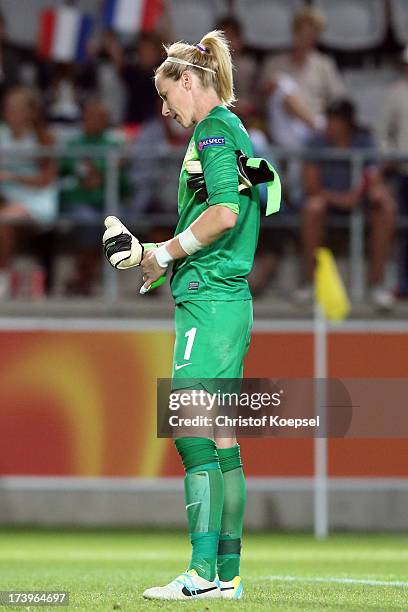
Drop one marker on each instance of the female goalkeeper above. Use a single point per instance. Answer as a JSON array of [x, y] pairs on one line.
[[213, 251]]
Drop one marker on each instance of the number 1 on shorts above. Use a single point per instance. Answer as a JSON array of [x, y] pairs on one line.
[[190, 334]]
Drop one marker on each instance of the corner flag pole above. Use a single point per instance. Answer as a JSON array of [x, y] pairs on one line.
[[331, 303], [321, 494]]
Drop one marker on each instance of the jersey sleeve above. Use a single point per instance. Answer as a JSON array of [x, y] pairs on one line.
[[216, 147]]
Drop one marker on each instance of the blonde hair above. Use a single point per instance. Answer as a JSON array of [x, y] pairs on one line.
[[309, 15], [213, 54], [31, 101]]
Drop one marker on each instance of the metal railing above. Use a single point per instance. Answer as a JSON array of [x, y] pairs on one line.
[[158, 157]]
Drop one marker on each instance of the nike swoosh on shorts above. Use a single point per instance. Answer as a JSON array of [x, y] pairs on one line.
[[183, 365]]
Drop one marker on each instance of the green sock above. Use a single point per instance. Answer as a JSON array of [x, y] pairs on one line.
[[204, 495], [229, 549]]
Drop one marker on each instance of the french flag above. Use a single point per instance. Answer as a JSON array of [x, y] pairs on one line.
[[131, 16], [63, 34]]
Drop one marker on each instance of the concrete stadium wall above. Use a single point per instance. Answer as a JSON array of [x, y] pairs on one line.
[[273, 504]]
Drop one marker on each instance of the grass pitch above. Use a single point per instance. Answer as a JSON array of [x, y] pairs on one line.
[[108, 570]]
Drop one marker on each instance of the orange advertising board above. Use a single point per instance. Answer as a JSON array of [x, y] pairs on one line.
[[83, 403]]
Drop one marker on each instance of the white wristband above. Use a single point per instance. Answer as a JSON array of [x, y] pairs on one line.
[[189, 242], [163, 257]]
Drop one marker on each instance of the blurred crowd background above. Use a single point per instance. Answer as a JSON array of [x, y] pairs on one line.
[[322, 86]]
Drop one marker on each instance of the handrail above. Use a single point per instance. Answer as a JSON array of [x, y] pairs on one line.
[[132, 151], [115, 153]]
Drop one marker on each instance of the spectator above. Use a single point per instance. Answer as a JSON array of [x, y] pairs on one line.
[[27, 189], [393, 132], [245, 67], [141, 96], [63, 93], [10, 61], [328, 185], [102, 74], [290, 122], [304, 80], [82, 197]]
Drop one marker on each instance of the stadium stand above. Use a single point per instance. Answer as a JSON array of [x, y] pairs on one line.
[[261, 31], [399, 20], [190, 19], [367, 34], [353, 25], [24, 31], [368, 88]]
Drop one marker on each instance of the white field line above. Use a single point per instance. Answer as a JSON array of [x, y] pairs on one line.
[[75, 556], [332, 579], [250, 556]]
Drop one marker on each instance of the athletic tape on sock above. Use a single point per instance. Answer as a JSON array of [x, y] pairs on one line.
[[196, 451], [229, 547], [230, 458]]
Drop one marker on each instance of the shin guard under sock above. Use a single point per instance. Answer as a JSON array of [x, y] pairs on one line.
[[204, 496]]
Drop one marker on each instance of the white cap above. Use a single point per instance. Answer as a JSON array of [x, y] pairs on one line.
[[404, 56]]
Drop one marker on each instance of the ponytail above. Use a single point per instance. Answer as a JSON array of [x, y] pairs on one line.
[[210, 59]]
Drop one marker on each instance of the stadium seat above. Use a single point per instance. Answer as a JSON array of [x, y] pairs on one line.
[[353, 25], [190, 20], [25, 31], [267, 23], [368, 89], [399, 20]]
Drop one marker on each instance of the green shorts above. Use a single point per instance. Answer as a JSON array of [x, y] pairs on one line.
[[212, 339]]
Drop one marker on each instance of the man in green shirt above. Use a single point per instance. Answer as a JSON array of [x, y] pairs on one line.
[[86, 183], [83, 194]]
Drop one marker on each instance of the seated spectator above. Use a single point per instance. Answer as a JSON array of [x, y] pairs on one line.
[[300, 84], [63, 93], [141, 96], [393, 133], [27, 189], [83, 196], [271, 240], [101, 73], [245, 67], [290, 122], [328, 186]]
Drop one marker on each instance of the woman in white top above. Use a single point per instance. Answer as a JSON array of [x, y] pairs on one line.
[[27, 183]]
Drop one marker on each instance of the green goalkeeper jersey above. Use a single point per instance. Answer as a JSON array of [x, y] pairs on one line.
[[219, 270]]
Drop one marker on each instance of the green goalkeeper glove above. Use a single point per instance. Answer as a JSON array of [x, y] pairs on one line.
[[255, 171], [251, 171]]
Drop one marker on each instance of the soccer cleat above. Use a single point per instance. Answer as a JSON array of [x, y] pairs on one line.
[[231, 589], [187, 586]]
